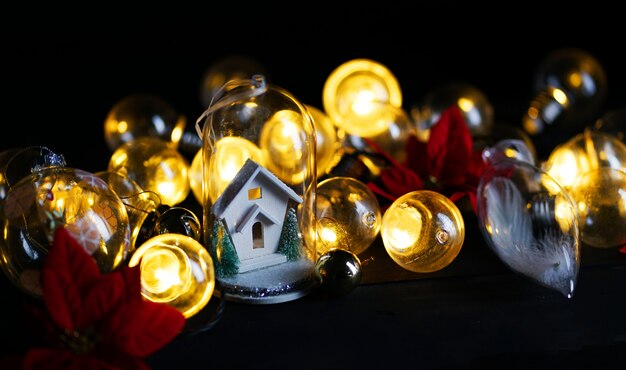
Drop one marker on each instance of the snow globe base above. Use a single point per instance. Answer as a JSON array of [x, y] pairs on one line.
[[275, 284]]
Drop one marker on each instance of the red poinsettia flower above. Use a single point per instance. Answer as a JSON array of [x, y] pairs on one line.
[[97, 321], [446, 163]]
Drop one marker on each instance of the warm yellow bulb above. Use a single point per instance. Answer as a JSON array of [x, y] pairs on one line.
[[283, 142], [195, 176], [328, 235], [176, 270], [423, 231], [356, 94], [559, 96], [229, 156], [566, 166], [465, 104]]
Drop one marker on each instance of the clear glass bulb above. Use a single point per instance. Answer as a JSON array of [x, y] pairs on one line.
[[423, 231], [613, 122], [142, 115], [328, 144], [584, 152], [176, 270], [356, 94], [473, 104], [570, 87], [156, 166], [349, 215]]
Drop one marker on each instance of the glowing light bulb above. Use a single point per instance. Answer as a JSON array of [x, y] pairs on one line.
[[328, 144], [231, 153], [349, 215], [474, 105], [570, 87], [423, 231], [177, 270], [584, 152], [155, 166], [142, 115], [355, 96]]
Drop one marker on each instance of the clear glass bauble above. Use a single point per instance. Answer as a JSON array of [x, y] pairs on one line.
[[61, 197], [259, 171]]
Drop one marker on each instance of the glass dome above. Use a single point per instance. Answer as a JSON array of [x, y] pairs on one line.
[[259, 176]]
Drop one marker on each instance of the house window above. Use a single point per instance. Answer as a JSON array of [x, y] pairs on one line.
[[254, 193], [257, 235]]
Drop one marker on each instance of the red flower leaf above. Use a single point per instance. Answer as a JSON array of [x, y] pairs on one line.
[[447, 153], [66, 275], [143, 327]]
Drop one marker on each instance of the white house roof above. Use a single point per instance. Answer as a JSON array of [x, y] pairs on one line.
[[247, 173], [252, 215]]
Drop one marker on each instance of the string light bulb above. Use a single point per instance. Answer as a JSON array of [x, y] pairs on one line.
[[423, 231], [570, 87], [357, 94], [155, 165], [176, 270]]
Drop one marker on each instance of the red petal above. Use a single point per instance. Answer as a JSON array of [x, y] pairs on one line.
[[67, 271], [102, 297], [623, 249], [417, 158], [142, 327], [448, 150], [399, 181]]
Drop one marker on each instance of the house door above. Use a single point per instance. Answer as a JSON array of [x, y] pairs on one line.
[[257, 235]]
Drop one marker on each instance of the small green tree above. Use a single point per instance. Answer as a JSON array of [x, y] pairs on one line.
[[290, 243], [223, 252]]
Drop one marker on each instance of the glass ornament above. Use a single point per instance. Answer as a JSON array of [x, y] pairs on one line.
[[423, 231], [156, 166], [601, 203], [587, 151], [61, 197], [328, 144], [195, 176], [175, 270], [392, 140], [142, 115], [259, 210], [356, 95], [530, 223], [339, 272], [348, 215], [232, 67], [473, 104], [139, 203], [570, 87]]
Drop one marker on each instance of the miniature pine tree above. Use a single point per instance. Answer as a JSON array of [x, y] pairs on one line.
[[290, 242], [223, 252]]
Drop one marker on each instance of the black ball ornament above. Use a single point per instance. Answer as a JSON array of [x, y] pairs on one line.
[[339, 271]]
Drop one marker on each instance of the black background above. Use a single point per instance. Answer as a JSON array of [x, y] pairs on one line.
[[62, 71]]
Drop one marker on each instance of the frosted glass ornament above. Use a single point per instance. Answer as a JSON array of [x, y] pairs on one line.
[[530, 223], [599, 198], [392, 140], [587, 151], [142, 115], [328, 144], [61, 197], [356, 95], [155, 166], [353, 212], [259, 213], [473, 104], [175, 270], [423, 231]]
